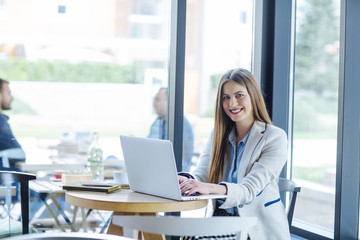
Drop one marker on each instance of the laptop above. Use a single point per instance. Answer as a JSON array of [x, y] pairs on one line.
[[151, 168]]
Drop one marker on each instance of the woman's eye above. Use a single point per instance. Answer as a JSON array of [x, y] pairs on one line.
[[225, 97], [239, 95]]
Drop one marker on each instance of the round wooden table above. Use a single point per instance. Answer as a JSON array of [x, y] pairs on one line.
[[127, 202]]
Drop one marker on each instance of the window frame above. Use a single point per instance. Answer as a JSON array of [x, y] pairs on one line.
[[348, 155]]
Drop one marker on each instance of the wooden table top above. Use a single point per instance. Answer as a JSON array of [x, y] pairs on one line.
[[128, 201]]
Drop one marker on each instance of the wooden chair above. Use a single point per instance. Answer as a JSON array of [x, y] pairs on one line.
[[177, 226], [9, 177], [287, 185]]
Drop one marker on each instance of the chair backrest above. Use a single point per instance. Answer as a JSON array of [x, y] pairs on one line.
[[287, 185], [9, 177], [67, 235], [178, 226], [12, 153]]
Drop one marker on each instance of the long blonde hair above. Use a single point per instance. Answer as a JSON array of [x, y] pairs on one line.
[[223, 124]]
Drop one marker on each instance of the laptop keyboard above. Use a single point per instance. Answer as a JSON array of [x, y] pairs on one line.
[[194, 194]]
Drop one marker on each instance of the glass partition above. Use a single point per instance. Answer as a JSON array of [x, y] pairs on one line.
[[315, 112], [219, 37]]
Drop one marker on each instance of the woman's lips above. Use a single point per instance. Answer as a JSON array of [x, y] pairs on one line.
[[236, 111]]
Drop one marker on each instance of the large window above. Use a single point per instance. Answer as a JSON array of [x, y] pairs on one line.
[[219, 37], [315, 111], [81, 66]]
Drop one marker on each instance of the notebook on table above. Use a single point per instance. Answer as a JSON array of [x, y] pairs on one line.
[[95, 187], [151, 168]]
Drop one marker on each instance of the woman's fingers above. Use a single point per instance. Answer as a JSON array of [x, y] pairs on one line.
[[182, 179], [187, 185], [191, 186]]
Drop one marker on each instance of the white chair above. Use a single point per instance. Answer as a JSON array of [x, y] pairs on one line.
[[287, 185], [177, 226], [67, 235], [12, 153]]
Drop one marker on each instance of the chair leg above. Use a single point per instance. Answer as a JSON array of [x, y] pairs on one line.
[[24, 188], [291, 209]]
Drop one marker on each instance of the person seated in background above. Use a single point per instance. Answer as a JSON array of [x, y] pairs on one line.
[[7, 139], [159, 128]]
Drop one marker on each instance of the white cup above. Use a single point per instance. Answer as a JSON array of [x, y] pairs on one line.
[[120, 177]]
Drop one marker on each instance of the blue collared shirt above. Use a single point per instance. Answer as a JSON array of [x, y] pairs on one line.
[[231, 170], [159, 130], [236, 151]]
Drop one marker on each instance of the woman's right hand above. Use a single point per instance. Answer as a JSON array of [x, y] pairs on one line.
[[191, 186]]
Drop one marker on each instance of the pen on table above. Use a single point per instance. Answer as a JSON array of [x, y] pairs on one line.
[[97, 185]]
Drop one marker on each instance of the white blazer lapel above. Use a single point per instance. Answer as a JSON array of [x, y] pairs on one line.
[[256, 133]]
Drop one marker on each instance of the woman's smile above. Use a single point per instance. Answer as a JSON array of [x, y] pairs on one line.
[[236, 111]]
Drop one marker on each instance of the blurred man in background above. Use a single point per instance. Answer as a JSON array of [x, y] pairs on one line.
[[7, 139], [159, 128]]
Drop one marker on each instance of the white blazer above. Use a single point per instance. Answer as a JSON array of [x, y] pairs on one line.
[[257, 193]]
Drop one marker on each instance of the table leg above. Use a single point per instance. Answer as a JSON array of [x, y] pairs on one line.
[[61, 211], [150, 236], [83, 216], [118, 230], [107, 223], [114, 229], [74, 214], [58, 223]]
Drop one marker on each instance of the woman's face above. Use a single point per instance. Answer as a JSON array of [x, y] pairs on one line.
[[236, 103], [160, 103]]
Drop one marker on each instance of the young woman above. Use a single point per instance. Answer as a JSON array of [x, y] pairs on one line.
[[243, 158]]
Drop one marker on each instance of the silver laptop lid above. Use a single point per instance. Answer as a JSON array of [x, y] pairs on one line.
[[150, 165]]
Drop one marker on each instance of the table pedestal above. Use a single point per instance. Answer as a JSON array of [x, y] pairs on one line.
[[127, 202], [118, 230]]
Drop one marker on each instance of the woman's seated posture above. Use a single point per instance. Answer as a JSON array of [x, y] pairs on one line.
[[243, 158]]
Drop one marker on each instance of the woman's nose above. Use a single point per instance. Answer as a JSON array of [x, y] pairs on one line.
[[233, 102]]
